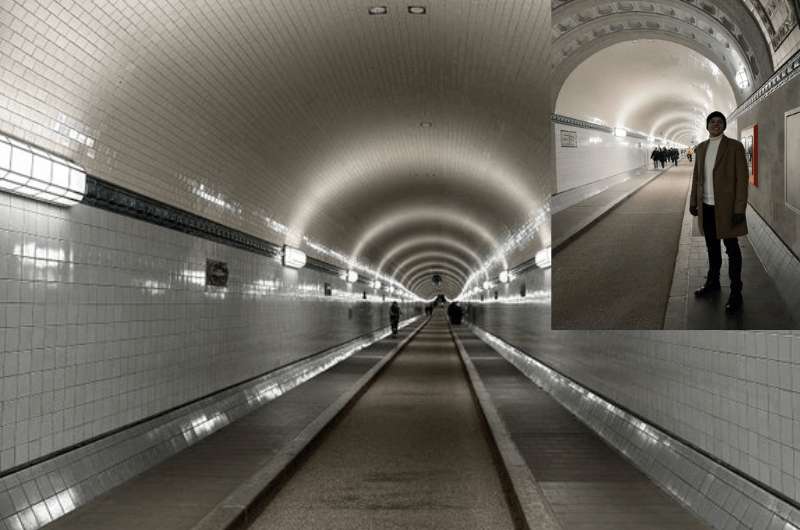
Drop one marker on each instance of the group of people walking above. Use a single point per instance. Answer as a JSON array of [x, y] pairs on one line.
[[662, 155]]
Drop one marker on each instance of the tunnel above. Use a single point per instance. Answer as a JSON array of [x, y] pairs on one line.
[[381, 264]]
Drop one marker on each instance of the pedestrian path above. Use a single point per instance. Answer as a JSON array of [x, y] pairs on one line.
[[411, 453], [763, 307], [617, 273], [588, 484], [568, 222], [179, 492], [637, 261]]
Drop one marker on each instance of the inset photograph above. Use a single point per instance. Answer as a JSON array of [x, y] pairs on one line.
[[677, 206]]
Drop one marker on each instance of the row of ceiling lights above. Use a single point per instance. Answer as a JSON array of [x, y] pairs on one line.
[[383, 10]]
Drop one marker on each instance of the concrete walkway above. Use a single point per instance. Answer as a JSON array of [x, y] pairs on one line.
[[588, 485], [411, 453], [179, 492], [612, 271], [617, 273]]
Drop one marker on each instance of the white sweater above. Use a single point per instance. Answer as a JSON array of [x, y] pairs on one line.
[[711, 157]]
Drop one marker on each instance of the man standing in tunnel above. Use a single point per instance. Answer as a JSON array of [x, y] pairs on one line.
[[719, 185], [394, 317]]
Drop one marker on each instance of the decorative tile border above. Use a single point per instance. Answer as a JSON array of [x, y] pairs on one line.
[[784, 74], [107, 196], [575, 122], [41, 493], [715, 492]]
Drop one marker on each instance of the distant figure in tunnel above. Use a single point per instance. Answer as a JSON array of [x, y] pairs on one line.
[[655, 157], [454, 313], [689, 154], [394, 317], [719, 184]]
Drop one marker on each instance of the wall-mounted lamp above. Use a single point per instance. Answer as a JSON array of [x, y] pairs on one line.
[[504, 276], [293, 257], [352, 276], [376, 284], [28, 171], [621, 132], [487, 284]]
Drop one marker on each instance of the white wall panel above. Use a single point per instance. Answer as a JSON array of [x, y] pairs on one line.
[[598, 155]]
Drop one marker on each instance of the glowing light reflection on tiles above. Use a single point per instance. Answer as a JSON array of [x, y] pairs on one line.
[[196, 277], [152, 287], [343, 259], [522, 237]]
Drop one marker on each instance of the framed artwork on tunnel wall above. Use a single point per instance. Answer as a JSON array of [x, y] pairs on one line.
[[569, 138], [749, 138], [792, 159]]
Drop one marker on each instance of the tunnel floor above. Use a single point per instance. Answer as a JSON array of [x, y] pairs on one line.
[[180, 491], [411, 453], [624, 271], [589, 485]]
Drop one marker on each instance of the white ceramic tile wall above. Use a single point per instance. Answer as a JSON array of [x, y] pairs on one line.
[[734, 394], [598, 155], [105, 320], [715, 493], [35, 495]]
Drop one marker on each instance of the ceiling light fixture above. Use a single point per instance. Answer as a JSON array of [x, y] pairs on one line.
[[378, 10], [28, 171], [417, 10], [426, 124]]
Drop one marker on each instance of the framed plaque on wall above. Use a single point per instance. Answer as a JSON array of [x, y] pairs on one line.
[[792, 159], [569, 138], [749, 137]]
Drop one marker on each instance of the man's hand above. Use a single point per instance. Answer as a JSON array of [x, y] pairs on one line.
[[693, 210], [738, 218]]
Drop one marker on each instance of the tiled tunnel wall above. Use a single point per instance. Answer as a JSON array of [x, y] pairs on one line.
[[597, 156], [733, 394], [769, 196], [105, 320]]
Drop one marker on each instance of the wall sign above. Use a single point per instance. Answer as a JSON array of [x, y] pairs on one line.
[[792, 158], [749, 138], [216, 273], [569, 138]]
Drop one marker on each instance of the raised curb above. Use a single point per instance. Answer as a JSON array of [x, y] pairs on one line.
[[530, 501], [239, 505]]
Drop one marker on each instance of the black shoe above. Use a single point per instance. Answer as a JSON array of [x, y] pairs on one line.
[[708, 289], [735, 302]]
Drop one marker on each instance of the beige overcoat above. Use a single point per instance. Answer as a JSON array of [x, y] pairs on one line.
[[730, 186]]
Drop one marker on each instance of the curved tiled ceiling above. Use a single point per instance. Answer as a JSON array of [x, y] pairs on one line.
[[659, 88], [725, 32], [298, 120]]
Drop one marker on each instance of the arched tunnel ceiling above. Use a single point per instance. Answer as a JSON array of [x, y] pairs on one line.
[[294, 119], [659, 88], [726, 32]]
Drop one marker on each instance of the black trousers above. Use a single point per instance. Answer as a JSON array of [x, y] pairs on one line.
[[715, 255]]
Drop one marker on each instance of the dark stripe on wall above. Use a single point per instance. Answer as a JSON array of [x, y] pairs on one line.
[[116, 199]]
